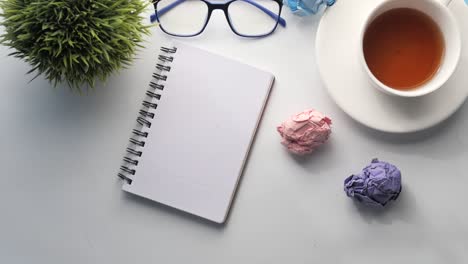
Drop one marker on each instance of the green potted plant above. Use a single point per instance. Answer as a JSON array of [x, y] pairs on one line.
[[73, 41]]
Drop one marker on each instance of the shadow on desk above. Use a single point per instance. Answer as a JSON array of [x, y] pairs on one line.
[[152, 205], [448, 137], [404, 209], [414, 136]]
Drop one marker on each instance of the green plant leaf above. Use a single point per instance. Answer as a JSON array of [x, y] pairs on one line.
[[77, 42]]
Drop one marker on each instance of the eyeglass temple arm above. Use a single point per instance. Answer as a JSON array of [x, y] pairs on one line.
[[164, 10], [281, 20]]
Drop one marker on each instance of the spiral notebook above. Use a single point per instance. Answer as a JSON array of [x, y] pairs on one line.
[[194, 131]]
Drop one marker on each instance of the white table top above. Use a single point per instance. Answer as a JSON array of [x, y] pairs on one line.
[[61, 201]]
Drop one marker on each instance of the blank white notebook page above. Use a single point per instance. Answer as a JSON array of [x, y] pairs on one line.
[[201, 133]]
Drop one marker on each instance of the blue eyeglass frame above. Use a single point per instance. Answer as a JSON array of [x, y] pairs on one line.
[[223, 6]]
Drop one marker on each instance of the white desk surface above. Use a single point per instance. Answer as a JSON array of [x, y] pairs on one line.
[[61, 201]]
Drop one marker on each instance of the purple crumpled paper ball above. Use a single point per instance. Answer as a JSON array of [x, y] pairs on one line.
[[377, 184]]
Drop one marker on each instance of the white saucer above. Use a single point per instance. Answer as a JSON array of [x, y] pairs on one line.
[[343, 75]]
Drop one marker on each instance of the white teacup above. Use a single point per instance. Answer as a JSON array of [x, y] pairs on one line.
[[441, 15]]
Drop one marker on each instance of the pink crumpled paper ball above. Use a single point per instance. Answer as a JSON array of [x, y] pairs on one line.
[[306, 131]]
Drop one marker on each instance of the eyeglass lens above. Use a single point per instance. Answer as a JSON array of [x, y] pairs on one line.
[[246, 17]]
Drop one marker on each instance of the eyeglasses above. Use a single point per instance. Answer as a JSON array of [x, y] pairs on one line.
[[246, 18]]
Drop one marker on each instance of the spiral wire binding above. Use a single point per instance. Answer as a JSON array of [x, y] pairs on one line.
[[164, 58], [156, 86], [146, 115]]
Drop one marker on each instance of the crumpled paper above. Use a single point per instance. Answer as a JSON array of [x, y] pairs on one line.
[[307, 7], [377, 184], [306, 131]]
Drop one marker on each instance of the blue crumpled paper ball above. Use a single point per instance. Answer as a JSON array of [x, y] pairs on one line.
[[307, 7], [377, 184]]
